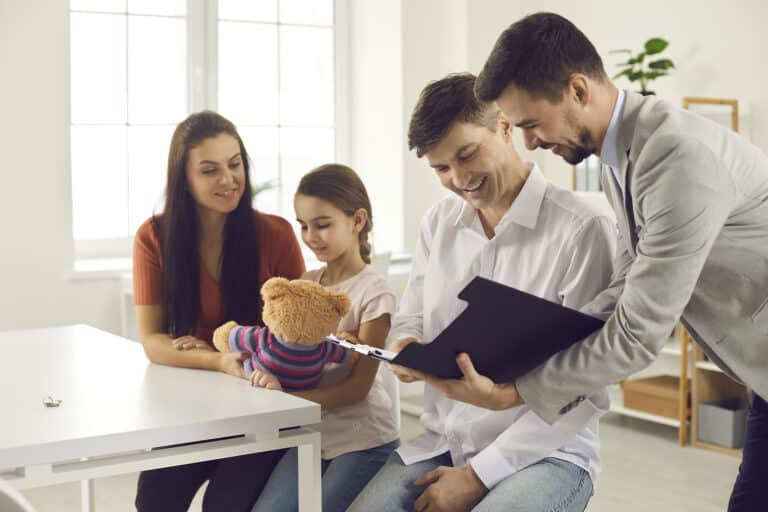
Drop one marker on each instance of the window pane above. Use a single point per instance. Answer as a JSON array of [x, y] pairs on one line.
[[307, 12], [306, 76], [147, 168], [98, 5], [250, 10], [164, 7], [99, 178], [98, 68], [302, 149], [157, 70], [262, 147], [248, 72]]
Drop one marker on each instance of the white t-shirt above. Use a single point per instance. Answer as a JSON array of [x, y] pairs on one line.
[[376, 419]]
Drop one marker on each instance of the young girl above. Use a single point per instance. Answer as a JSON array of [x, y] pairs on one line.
[[194, 266], [360, 420]]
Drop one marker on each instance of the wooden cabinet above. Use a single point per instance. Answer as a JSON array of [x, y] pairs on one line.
[[709, 383], [660, 393]]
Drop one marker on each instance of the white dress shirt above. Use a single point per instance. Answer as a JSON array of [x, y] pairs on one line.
[[549, 243]]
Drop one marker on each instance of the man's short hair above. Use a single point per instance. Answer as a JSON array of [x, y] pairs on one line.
[[444, 102], [538, 54]]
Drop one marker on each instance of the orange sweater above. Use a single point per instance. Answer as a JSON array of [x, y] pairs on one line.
[[280, 256]]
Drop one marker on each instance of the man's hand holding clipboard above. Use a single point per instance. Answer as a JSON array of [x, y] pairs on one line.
[[473, 388], [502, 334]]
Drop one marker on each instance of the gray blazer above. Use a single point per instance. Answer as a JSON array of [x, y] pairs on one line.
[[692, 211]]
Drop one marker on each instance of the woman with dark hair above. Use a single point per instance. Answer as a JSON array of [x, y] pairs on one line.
[[197, 264]]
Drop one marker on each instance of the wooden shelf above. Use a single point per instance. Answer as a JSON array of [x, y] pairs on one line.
[[677, 346], [708, 365], [709, 384], [733, 452], [617, 406]]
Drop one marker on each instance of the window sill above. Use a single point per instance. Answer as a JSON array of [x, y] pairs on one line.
[[120, 268], [101, 268]]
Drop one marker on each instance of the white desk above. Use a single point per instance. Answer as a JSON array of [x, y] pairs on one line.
[[116, 406]]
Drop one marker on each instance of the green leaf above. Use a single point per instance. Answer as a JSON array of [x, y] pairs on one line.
[[661, 64], [655, 45], [638, 58], [257, 188], [637, 75], [621, 73], [652, 75]]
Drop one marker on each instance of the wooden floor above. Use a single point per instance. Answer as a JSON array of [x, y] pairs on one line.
[[643, 469]]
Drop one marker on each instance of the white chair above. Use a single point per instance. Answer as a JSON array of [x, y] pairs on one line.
[[11, 500]]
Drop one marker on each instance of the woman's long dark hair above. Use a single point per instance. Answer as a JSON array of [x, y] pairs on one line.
[[178, 232]]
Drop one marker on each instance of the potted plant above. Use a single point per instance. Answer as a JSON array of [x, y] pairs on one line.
[[257, 188], [637, 70]]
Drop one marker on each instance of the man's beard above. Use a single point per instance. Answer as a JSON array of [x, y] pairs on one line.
[[585, 148]]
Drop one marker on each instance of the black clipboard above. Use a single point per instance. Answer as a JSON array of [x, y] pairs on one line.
[[505, 331]]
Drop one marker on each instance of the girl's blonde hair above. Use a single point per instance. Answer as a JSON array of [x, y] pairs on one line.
[[343, 188]]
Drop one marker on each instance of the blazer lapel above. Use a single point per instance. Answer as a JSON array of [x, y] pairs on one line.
[[626, 130], [617, 201]]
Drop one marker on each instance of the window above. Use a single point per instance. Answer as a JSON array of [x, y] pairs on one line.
[[138, 67]]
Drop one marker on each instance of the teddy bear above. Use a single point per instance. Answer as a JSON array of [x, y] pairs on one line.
[[290, 349]]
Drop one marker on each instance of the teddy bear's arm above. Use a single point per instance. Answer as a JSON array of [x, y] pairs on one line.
[[262, 379]]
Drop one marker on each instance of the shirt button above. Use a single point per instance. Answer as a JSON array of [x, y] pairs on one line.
[[356, 426]]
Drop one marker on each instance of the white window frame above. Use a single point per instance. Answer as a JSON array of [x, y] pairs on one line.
[[202, 93]]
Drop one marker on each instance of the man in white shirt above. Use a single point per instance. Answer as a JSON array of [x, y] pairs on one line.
[[505, 222]]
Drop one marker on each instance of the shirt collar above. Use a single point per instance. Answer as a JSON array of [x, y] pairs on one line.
[[525, 208], [608, 153]]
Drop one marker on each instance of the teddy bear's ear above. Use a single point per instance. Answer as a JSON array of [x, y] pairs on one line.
[[274, 288], [340, 302]]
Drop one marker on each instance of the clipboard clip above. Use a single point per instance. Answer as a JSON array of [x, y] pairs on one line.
[[366, 350]]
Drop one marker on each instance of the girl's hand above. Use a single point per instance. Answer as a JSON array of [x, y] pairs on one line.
[[354, 356], [190, 342], [232, 363], [349, 337], [266, 380]]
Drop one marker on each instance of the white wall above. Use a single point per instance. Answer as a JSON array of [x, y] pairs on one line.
[[434, 44], [395, 47], [717, 47], [36, 247], [713, 43], [374, 95]]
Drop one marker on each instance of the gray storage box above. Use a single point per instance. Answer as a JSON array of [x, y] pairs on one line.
[[723, 422]]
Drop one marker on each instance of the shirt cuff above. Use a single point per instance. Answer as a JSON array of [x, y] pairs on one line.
[[491, 467]]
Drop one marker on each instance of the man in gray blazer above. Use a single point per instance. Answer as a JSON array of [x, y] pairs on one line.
[[691, 199]]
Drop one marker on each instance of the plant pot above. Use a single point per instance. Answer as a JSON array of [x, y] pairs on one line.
[[647, 93]]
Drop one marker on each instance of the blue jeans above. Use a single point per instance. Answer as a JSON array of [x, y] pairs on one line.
[[749, 489], [550, 484], [343, 478]]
